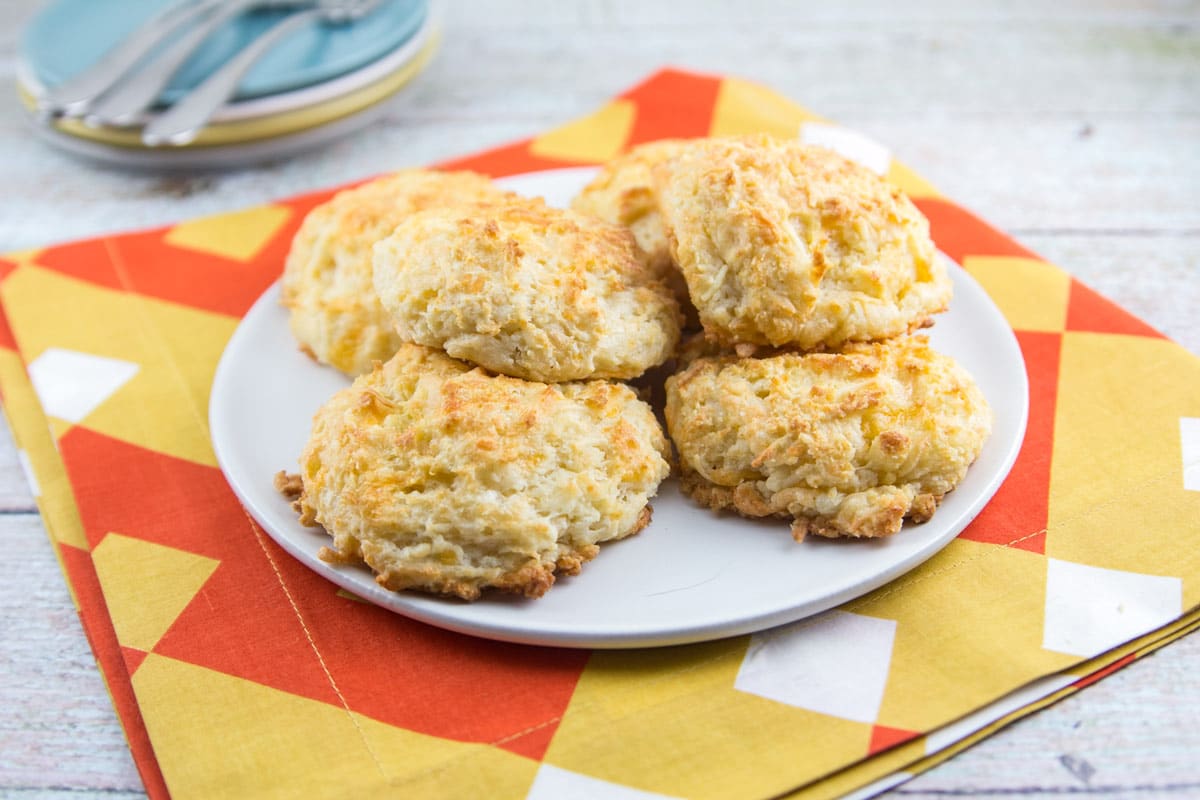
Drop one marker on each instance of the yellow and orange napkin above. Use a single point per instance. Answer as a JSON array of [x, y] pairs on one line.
[[237, 672]]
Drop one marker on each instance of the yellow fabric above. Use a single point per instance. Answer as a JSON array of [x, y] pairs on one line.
[[743, 107], [1031, 293], [239, 235], [687, 694], [220, 737], [910, 182], [33, 437], [146, 585], [1117, 463], [596, 137], [175, 348], [924, 693]]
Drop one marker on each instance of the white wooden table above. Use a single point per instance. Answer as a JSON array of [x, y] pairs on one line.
[[1074, 126]]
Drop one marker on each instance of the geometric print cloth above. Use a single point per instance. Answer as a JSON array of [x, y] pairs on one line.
[[238, 672]]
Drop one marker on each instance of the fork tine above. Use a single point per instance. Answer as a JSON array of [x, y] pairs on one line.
[[138, 91], [73, 95], [180, 123]]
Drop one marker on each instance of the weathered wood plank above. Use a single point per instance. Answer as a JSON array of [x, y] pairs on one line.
[[883, 65], [1062, 174], [1154, 277], [15, 495], [1105, 94], [1036, 176], [1133, 733], [1098, 133], [58, 729]]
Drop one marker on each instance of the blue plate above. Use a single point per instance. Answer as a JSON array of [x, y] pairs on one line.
[[69, 35]]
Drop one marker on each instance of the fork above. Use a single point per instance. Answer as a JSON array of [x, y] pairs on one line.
[[138, 90], [183, 121], [180, 123], [72, 97]]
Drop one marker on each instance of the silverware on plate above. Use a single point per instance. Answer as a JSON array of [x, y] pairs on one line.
[[129, 79], [73, 96], [180, 123]]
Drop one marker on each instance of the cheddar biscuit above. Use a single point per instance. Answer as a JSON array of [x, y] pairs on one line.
[[445, 478], [845, 444], [528, 291], [334, 312], [625, 192], [786, 244]]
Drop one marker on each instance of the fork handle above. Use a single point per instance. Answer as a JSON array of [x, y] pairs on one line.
[[127, 99], [72, 95], [180, 123]]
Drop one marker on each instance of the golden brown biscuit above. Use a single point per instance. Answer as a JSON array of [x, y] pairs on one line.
[[335, 314], [784, 243], [845, 444], [527, 290], [625, 193], [445, 478]]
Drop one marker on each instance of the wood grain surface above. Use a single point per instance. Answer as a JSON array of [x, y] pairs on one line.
[[1075, 126]]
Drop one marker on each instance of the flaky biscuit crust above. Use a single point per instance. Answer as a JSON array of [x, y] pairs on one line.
[[527, 290], [625, 193], [845, 444], [784, 243], [334, 312], [445, 478]]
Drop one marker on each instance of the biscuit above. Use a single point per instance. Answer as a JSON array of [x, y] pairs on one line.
[[334, 312], [845, 444], [528, 291], [786, 244], [625, 193], [445, 478]]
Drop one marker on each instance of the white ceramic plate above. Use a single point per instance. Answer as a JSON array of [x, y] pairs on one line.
[[692, 575]]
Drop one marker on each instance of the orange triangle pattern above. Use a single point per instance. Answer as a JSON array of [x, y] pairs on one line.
[[1088, 311], [958, 233], [88, 260], [885, 738], [677, 114], [1019, 511], [77, 565], [156, 269], [382, 665], [7, 339], [533, 742], [1101, 674], [133, 658]]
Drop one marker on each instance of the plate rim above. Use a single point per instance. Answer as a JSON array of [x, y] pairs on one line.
[[253, 87], [436, 611], [314, 94]]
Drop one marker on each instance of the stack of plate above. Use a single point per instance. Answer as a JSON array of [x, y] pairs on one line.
[[321, 82]]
